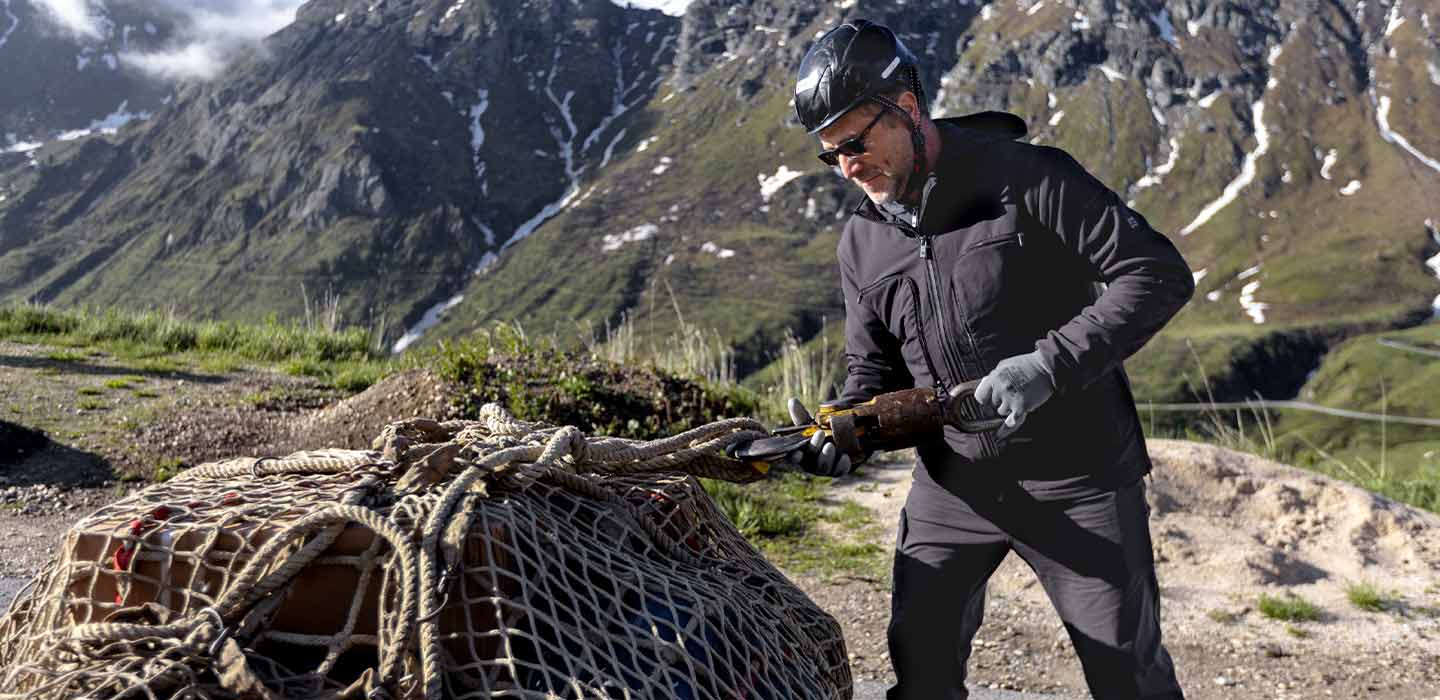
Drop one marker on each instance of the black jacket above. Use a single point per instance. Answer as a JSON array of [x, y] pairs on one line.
[[1013, 244]]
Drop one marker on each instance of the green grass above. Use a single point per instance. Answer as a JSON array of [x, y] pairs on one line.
[[167, 469], [154, 342], [792, 521], [139, 334], [125, 382], [66, 356], [1288, 608], [1367, 597], [90, 405], [90, 391]]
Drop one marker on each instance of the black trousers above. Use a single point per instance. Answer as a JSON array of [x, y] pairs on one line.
[[1091, 553]]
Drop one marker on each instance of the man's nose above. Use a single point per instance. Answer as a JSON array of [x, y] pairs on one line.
[[850, 166]]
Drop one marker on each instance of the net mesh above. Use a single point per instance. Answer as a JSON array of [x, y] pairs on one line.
[[466, 559]]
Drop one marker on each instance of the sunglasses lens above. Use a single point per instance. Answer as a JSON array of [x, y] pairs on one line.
[[829, 158], [852, 148]]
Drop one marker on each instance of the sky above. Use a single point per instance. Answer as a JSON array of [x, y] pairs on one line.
[[219, 28]]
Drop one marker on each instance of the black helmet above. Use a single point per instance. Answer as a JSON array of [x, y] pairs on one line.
[[850, 64]]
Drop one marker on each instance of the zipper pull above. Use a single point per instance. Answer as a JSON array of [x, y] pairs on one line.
[[925, 248], [1020, 238]]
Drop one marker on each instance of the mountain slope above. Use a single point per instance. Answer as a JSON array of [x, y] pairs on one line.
[[353, 157], [438, 166]]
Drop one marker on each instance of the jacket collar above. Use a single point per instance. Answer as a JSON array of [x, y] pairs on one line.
[[958, 136]]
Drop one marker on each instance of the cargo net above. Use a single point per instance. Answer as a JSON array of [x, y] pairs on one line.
[[466, 559]]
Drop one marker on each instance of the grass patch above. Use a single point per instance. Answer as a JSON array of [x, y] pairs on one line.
[[146, 394], [167, 469], [1367, 597], [1222, 616], [160, 343], [66, 355], [539, 380], [784, 518], [784, 506], [125, 382], [90, 391], [155, 333], [91, 404], [1288, 608], [1297, 632]]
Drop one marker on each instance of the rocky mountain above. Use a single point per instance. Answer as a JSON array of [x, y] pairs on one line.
[[58, 82], [370, 151], [438, 165]]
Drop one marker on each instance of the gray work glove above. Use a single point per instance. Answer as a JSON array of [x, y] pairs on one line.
[[819, 456], [1018, 386]]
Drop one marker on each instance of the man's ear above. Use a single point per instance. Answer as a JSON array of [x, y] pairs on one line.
[[911, 105]]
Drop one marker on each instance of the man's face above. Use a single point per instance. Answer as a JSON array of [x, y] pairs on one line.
[[883, 170]]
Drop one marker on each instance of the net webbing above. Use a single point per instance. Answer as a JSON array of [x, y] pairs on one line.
[[465, 559]]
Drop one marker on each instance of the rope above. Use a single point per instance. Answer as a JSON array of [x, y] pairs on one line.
[[419, 495]]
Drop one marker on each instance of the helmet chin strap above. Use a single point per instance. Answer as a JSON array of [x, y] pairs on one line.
[[916, 183]]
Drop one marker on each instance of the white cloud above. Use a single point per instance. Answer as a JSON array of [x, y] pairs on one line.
[[74, 15], [193, 61], [213, 35]]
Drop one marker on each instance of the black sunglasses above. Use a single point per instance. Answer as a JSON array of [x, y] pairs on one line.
[[851, 147]]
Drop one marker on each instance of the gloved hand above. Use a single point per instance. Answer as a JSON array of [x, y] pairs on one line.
[[819, 456], [1018, 386]]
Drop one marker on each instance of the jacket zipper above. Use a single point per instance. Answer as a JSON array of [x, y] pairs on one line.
[[949, 354], [932, 278], [940, 384], [909, 282]]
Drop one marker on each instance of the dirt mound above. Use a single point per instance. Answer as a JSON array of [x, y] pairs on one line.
[[354, 422], [1228, 522], [1228, 528]]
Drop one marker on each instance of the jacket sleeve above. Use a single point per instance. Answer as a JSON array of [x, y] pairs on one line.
[[1147, 282], [872, 354]]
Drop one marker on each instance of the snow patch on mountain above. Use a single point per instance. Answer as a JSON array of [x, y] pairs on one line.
[[1158, 173], [427, 321], [1248, 166], [14, 23], [1434, 263], [614, 241], [477, 130], [674, 8], [1393, 20], [1254, 309], [109, 124], [717, 251], [770, 185], [1328, 162], [1382, 117]]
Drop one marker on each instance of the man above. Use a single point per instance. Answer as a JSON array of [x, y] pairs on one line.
[[975, 255]]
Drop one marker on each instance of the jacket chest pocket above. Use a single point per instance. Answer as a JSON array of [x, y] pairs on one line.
[[895, 300], [1002, 288]]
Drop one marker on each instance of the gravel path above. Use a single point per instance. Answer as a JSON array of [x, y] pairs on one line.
[[875, 690]]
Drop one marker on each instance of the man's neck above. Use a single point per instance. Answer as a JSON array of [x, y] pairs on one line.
[[915, 188]]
